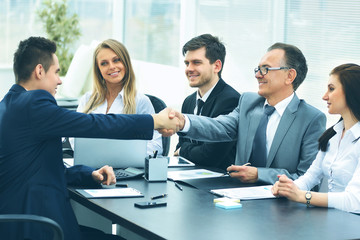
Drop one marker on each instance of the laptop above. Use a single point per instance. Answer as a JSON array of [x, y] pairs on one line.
[[97, 152]]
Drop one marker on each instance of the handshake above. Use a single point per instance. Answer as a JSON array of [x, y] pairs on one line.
[[168, 122]]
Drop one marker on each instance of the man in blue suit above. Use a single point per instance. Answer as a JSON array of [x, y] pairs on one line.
[[33, 179], [204, 61], [291, 134]]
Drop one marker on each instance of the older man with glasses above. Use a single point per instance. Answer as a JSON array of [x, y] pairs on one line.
[[276, 132]]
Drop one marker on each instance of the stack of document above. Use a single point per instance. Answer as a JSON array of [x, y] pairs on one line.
[[245, 193], [192, 174], [110, 193]]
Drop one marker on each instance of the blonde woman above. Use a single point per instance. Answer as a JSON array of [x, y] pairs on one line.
[[114, 88]]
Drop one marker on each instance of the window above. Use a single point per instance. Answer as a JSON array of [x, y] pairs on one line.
[[328, 33], [152, 30]]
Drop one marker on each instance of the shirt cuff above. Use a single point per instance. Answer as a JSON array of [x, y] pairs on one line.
[[187, 124], [335, 199]]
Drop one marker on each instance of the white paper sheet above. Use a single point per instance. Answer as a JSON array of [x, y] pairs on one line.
[[246, 193], [112, 192], [192, 174]]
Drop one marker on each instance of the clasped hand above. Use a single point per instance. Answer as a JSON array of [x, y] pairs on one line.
[[168, 122], [286, 187]]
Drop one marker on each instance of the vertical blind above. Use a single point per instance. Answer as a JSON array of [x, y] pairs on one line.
[[328, 33]]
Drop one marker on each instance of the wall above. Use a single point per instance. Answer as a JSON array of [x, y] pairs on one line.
[[7, 79]]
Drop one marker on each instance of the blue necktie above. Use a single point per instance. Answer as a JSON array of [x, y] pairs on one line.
[[259, 153], [200, 104]]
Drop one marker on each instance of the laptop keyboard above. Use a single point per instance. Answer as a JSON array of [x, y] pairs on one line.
[[128, 173]]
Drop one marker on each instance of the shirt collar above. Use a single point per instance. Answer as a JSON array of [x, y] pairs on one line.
[[206, 95], [338, 127], [354, 130], [282, 105]]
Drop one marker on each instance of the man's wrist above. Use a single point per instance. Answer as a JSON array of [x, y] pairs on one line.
[[156, 121], [186, 127]]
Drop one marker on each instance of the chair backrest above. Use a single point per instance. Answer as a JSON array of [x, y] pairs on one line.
[[159, 105], [55, 227]]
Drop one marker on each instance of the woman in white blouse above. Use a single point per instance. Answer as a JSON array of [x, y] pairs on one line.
[[339, 150], [114, 89]]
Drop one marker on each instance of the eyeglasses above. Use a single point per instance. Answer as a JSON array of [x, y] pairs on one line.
[[265, 70]]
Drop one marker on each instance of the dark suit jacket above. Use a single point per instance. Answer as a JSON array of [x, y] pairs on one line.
[[222, 100], [32, 178]]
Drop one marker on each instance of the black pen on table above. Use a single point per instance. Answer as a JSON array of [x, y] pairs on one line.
[[121, 185], [159, 196], [228, 173], [155, 154], [178, 186]]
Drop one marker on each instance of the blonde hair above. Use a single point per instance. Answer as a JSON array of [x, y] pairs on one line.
[[99, 89]]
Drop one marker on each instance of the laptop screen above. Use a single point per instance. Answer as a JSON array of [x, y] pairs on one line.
[[97, 152]]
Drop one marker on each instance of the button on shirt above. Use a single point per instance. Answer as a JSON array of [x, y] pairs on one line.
[[340, 164]]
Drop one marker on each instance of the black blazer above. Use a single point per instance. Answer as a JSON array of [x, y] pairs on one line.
[[222, 100]]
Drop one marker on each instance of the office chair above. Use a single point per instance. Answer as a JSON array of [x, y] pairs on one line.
[[159, 105], [58, 233], [67, 150]]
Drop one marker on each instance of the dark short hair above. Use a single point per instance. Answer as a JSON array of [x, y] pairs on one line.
[[214, 48], [295, 59], [31, 52], [349, 77]]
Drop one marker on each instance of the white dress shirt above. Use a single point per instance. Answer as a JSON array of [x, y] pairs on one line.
[[143, 106], [274, 120], [204, 98], [340, 164]]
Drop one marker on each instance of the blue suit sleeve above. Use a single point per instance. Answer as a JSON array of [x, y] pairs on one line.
[[80, 175]]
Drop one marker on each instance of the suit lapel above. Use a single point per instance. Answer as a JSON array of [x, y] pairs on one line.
[[212, 97], [253, 124], [189, 104], [285, 123]]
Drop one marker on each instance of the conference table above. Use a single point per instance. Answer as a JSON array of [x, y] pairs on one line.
[[192, 214]]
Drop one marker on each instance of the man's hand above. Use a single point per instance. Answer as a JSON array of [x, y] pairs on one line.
[[173, 113], [104, 175], [168, 122], [245, 174]]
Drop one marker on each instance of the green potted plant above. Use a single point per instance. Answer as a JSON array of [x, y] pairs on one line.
[[62, 28]]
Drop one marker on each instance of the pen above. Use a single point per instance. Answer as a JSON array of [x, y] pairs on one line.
[[178, 186], [160, 196], [228, 173], [121, 185], [155, 154]]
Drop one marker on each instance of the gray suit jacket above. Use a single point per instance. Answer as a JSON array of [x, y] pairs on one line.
[[295, 142]]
